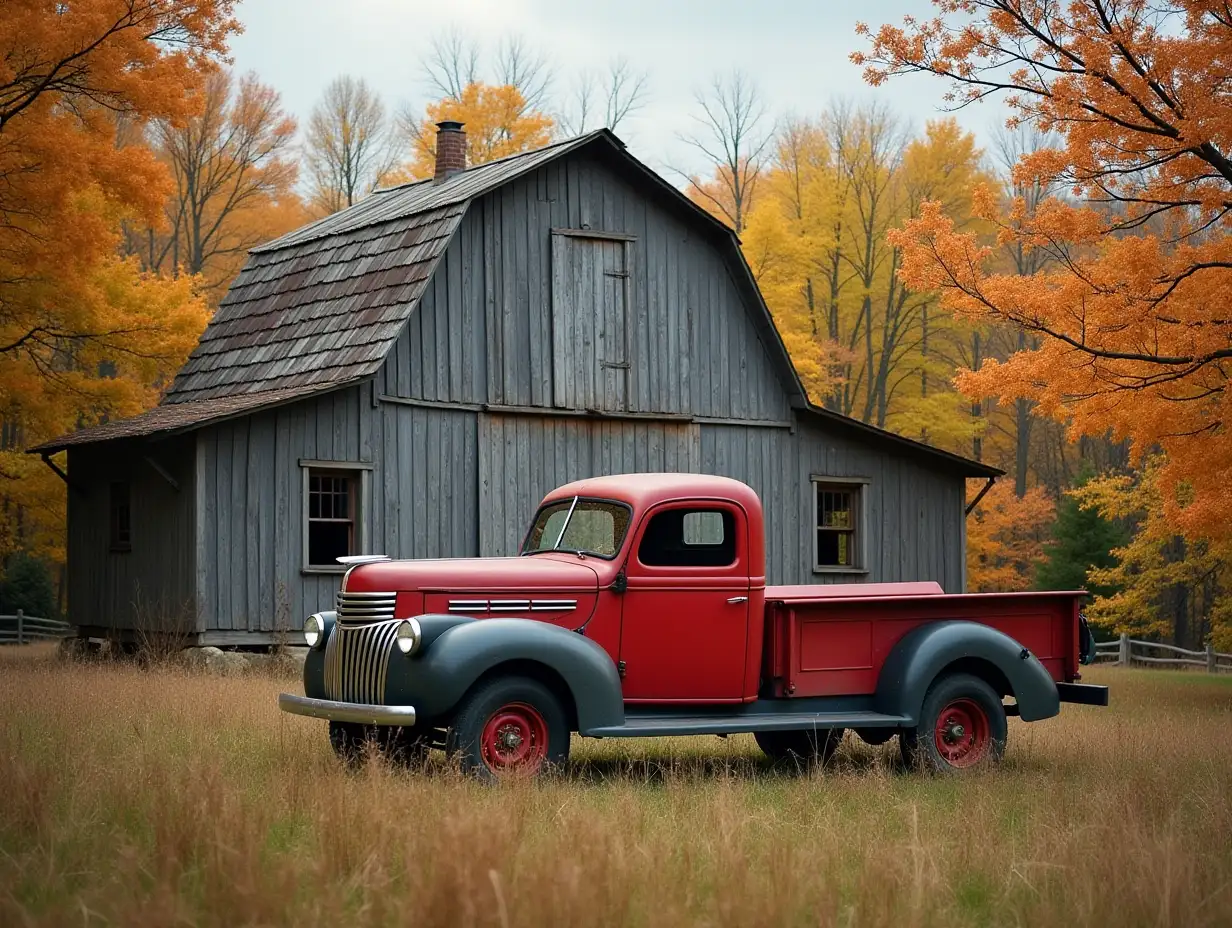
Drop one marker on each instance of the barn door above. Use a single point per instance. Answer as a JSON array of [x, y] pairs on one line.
[[590, 322]]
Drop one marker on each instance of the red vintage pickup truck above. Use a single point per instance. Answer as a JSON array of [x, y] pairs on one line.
[[638, 606]]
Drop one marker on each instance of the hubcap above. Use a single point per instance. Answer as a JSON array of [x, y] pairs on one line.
[[962, 733], [515, 737], [509, 738]]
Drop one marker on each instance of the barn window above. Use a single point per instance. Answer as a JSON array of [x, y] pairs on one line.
[[333, 511], [838, 520], [120, 519]]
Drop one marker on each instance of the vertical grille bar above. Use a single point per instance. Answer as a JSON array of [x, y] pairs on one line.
[[357, 662]]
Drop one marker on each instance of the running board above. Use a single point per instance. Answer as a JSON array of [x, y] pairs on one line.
[[641, 726]]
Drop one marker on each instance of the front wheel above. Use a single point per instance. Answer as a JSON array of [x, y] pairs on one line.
[[510, 726], [801, 746], [962, 724]]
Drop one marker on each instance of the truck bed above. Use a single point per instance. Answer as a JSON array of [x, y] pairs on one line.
[[825, 641]]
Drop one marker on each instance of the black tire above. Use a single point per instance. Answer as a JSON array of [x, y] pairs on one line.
[[976, 730], [533, 718], [398, 744], [809, 746]]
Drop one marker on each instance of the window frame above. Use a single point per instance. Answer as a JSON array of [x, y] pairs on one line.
[[736, 570], [724, 512], [115, 543], [858, 486], [360, 495]]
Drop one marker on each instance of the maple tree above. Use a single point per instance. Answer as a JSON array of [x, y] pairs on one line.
[[1005, 537], [1133, 337], [85, 333], [497, 122]]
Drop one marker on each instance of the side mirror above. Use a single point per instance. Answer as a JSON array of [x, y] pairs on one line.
[[621, 583]]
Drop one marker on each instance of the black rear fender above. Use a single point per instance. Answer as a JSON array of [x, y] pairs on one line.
[[928, 651]]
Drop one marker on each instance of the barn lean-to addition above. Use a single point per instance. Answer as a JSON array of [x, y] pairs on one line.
[[410, 375]]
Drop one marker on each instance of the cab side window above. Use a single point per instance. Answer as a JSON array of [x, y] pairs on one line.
[[689, 538]]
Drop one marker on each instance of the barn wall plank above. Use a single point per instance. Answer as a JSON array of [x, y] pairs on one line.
[[913, 513]]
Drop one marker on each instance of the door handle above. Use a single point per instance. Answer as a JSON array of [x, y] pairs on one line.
[[738, 599]]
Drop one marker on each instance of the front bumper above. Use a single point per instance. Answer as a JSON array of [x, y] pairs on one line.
[[335, 711]]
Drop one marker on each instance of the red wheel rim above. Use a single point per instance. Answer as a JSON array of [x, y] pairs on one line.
[[961, 733], [515, 738]]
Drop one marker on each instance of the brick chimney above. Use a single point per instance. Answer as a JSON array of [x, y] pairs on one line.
[[450, 150]]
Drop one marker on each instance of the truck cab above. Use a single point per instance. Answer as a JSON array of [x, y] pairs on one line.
[[638, 606]]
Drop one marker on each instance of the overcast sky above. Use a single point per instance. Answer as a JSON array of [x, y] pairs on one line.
[[795, 50]]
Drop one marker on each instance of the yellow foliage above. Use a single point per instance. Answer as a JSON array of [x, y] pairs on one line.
[[1005, 537], [1168, 586], [497, 120], [863, 343]]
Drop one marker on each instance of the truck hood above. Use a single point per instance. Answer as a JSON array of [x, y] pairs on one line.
[[540, 573]]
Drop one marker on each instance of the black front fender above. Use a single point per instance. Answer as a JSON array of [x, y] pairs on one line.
[[458, 650], [926, 651]]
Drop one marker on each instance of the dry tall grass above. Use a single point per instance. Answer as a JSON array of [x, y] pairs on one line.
[[156, 797]]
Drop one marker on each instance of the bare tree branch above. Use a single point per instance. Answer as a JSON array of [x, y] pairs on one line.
[[734, 130], [350, 144]]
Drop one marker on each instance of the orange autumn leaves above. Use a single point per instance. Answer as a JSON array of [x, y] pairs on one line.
[[83, 332], [1006, 536], [498, 123], [1133, 333]]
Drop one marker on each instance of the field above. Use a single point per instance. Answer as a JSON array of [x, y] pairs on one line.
[[161, 797]]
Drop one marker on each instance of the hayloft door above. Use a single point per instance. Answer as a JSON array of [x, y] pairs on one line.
[[590, 320]]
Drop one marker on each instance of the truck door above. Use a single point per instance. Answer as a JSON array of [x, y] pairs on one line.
[[685, 619]]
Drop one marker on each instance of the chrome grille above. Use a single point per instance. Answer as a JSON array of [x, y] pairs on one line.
[[357, 661], [358, 608]]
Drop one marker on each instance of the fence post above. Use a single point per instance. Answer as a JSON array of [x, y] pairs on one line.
[[1123, 656], [20, 627], [1210, 657]]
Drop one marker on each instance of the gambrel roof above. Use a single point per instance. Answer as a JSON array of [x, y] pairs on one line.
[[323, 304], [319, 308]]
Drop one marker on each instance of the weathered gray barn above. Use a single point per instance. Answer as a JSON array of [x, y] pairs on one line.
[[410, 375]]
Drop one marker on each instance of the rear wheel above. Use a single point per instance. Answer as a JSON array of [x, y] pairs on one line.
[[802, 746], [397, 743], [510, 726], [962, 724]]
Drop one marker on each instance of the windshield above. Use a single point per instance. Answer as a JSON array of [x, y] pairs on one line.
[[580, 526]]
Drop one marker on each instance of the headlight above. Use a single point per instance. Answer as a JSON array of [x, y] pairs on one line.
[[408, 636], [314, 630]]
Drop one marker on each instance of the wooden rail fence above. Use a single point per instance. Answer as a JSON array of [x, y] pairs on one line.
[[24, 629], [1127, 652]]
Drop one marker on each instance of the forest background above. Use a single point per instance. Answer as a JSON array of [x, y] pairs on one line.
[[1048, 303]]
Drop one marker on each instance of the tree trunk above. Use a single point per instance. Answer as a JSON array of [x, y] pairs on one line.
[[977, 445]]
